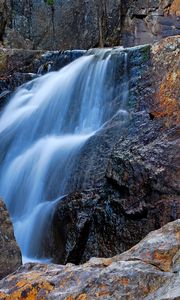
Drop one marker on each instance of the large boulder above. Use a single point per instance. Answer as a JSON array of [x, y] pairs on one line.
[[10, 255], [150, 270]]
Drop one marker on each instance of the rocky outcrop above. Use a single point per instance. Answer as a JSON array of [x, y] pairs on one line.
[[34, 61], [149, 21], [132, 169], [10, 255], [61, 24], [132, 165], [141, 193], [150, 270]]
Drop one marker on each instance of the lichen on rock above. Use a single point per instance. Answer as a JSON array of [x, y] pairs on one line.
[[148, 271]]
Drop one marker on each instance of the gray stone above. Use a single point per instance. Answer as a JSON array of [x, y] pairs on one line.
[[80, 24], [144, 272]]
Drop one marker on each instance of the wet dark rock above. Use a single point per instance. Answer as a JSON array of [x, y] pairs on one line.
[[10, 255], [30, 61], [4, 97], [131, 184], [146, 162], [140, 194], [55, 60]]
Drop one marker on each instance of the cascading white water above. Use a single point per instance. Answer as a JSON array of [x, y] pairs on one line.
[[43, 129]]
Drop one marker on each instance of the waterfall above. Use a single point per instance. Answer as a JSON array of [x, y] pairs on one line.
[[42, 131]]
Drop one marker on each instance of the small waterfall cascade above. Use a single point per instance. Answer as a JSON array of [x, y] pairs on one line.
[[42, 130]]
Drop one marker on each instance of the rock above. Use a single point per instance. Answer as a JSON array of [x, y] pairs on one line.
[[148, 271], [10, 255], [5, 8], [140, 194], [61, 24], [132, 170], [16, 68], [149, 21], [132, 182], [144, 166], [30, 61], [159, 248], [166, 73], [12, 60]]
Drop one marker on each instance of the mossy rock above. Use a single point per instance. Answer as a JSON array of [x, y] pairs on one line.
[[49, 2], [3, 59], [145, 52]]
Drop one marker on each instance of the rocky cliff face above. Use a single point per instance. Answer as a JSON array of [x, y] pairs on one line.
[[132, 183], [133, 177], [61, 24], [10, 255], [149, 21], [150, 270]]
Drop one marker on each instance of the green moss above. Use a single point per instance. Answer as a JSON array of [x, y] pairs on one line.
[[145, 52], [49, 2]]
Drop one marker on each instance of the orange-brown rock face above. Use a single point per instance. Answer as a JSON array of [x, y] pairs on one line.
[[10, 256], [150, 270], [175, 8], [166, 69]]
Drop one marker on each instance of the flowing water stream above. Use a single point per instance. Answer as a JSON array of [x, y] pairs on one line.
[[42, 130]]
